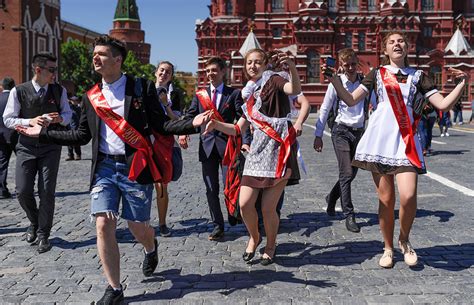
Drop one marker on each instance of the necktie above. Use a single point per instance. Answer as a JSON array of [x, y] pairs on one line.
[[214, 97], [41, 92]]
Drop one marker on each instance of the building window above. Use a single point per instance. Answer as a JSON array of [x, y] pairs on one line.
[[42, 47], [332, 5], [427, 5], [352, 5], [361, 41], [277, 32], [372, 5], [428, 31], [348, 40], [228, 7], [278, 6], [312, 72], [437, 76]]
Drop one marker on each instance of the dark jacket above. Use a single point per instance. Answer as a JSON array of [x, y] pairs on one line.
[[137, 115], [5, 133], [230, 108]]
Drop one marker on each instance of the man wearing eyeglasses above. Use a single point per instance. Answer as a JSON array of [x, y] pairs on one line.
[[38, 102]]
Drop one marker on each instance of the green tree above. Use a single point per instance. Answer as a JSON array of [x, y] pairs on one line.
[[133, 66], [76, 65]]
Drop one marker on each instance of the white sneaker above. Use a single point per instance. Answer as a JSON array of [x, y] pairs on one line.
[[446, 134], [386, 261], [442, 135], [409, 255], [460, 123]]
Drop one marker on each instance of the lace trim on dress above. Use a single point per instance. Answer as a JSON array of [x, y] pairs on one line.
[[383, 160]]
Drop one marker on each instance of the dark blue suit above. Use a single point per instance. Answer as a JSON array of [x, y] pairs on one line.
[[212, 146]]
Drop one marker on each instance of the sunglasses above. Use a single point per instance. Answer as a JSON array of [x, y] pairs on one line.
[[50, 69]]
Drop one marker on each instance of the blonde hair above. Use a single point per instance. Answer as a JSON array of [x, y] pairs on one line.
[[386, 59], [259, 51]]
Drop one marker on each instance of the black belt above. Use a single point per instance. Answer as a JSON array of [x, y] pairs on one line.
[[350, 128], [116, 158]]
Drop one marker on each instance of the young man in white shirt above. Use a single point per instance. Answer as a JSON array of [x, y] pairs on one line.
[[346, 132]]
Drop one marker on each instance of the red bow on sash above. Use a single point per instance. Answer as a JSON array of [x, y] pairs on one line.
[[285, 144], [407, 130], [143, 157]]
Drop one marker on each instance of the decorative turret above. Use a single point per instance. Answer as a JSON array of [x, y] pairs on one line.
[[393, 7], [250, 43], [458, 45], [127, 27]]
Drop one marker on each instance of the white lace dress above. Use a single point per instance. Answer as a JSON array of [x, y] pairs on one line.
[[381, 148]]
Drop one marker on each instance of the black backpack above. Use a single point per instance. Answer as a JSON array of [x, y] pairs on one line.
[[335, 108]]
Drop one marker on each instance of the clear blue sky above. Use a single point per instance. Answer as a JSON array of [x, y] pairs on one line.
[[168, 24]]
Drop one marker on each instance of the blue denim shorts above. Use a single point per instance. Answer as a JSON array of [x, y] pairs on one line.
[[111, 184]]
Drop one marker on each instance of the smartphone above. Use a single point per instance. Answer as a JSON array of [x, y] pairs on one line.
[[330, 62]]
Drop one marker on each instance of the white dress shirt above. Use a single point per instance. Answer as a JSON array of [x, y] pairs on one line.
[[13, 107], [349, 116], [114, 93], [219, 90]]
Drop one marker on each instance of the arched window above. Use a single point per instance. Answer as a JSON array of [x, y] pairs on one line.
[[437, 75], [348, 40], [427, 5], [372, 5], [312, 72], [352, 5], [278, 6], [229, 10], [361, 41]]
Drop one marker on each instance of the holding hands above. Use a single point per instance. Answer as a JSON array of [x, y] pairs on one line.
[[32, 131]]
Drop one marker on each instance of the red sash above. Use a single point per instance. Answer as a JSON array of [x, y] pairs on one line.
[[232, 178], [286, 143], [207, 104], [395, 97], [144, 155]]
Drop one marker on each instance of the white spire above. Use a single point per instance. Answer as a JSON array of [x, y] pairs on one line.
[[458, 44], [250, 43]]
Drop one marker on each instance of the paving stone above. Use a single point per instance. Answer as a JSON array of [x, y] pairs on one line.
[[318, 261]]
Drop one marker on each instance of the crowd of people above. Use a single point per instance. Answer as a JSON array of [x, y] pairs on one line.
[[132, 122]]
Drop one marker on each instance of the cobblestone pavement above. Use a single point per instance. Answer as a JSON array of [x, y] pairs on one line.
[[318, 260]]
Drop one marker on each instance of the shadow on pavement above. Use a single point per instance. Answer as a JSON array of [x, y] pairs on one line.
[[225, 283], [65, 194], [448, 152], [312, 221], [203, 225], [447, 257], [343, 254]]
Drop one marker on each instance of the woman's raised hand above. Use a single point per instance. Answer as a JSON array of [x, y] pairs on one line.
[[202, 118], [459, 74]]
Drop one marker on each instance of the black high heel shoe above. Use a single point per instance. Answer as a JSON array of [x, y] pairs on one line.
[[265, 261], [247, 256]]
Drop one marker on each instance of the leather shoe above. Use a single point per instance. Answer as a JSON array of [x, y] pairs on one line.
[[247, 256], [265, 261], [216, 234], [31, 234], [5, 195], [331, 207], [44, 245], [351, 224]]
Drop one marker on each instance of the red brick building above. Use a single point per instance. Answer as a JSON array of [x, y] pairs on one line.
[[30, 27], [26, 28], [127, 27], [313, 30]]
